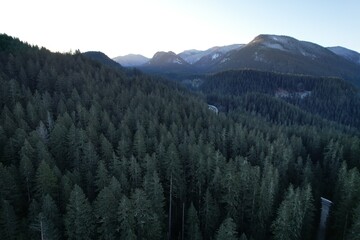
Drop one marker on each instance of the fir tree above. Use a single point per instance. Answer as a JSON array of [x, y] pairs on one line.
[[79, 221], [227, 230]]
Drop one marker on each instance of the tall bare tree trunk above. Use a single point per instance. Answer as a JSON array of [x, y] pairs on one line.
[[170, 196], [183, 221]]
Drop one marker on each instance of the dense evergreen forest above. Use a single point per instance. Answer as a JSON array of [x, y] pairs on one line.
[[332, 99], [92, 152]]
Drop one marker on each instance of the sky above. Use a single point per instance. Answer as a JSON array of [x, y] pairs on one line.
[[119, 27]]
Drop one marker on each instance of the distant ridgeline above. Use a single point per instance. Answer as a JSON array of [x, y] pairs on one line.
[[271, 53], [91, 151]]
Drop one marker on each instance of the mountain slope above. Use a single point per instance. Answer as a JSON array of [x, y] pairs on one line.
[[331, 98], [131, 60], [193, 56], [102, 58], [289, 55], [346, 53], [167, 62]]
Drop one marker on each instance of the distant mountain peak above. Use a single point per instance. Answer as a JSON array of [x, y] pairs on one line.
[[131, 60], [290, 45], [193, 56], [166, 58], [102, 58]]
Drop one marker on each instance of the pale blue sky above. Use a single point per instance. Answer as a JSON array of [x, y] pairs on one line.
[[118, 27]]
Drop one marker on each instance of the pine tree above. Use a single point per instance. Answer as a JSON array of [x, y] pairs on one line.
[[66, 188], [155, 192], [231, 186], [227, 230], [106, 150], [8, 221], [116, 188], [139, 143], [266, 199], [175, 179], [33, 214], [126, 220], [354, 231], [119, 169], [58, 145], [134, 173], [294, 216], [105, 206], [27, 173], [147, 221], [347, 196], [209, 215], [333, 154], [79, 223], [243, 237], [192, 224], [102, 176], [90, 158], [43, 154], [43, 132], [47, 222], [46, 181]]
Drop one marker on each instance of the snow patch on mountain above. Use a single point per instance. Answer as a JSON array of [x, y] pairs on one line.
[[224, 60], [215, 56], [307, 54], [177, 60], [289, 44], [258, 57], [274, 46], [193, 56]]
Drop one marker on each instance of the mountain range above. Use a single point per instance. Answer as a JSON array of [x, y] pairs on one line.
[[266, 52], [193, 56]]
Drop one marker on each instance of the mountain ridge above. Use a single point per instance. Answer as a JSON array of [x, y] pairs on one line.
[[275, 53], [192, 56], [346, 53], [165, 63], [102, 58]]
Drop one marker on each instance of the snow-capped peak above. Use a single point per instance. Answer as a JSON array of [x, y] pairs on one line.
[[289, 44]]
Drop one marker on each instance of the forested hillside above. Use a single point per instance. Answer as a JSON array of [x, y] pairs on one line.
[[267, 92], [89, 152]]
